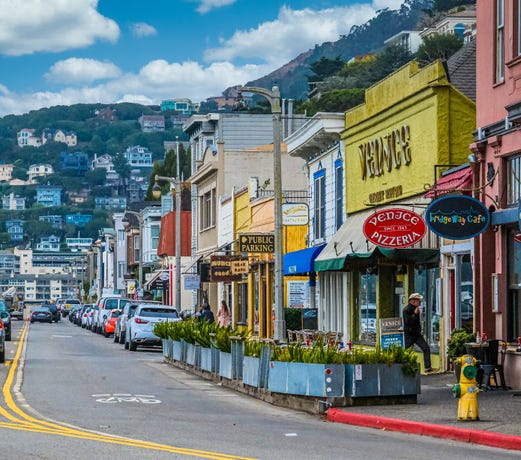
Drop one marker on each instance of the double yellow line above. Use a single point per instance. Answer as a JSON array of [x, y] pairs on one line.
[[20, 420]]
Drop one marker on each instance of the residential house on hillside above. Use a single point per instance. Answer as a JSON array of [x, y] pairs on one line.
[[79, 220], [461, 23], [6, 172], [13, 202], [15, 228], [107, 163], [76, 163], [26, 138], [48, 195], [49, 243], [59, 135], [182, 106], [139, 157], [55, 220], [152, 123], [39, 170], [79, 244], [78, 197], [409, 39], [110, 202], [107, 114]]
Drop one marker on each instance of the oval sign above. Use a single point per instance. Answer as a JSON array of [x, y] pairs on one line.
[[394, 228], [457, 217]]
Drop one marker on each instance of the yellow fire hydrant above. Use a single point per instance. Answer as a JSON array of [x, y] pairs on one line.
[[467, 389]]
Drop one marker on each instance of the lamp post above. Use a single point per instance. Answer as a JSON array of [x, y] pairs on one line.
[[126, 224], [273, 97], [157, 193]]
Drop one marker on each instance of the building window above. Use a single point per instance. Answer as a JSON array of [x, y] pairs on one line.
[[208, 209], [155, 236], [339, 191], [319, 223], [137, 242], [513, 180], [516, 28], [500, 40]]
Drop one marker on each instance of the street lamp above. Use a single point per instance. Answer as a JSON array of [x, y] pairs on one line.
[[273, 97], [156, 191], [126, 224]]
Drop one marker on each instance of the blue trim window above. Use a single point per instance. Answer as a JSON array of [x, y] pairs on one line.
[[319, 223], [339, 192]]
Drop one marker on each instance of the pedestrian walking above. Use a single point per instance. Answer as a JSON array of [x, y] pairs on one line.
[[224, 318], [412, 329], [207, 314]]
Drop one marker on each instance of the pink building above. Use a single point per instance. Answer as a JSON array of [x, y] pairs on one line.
[[497, 151]]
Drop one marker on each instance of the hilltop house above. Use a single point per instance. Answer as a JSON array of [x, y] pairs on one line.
[[49, 243], [58, 135], [152, 123], [25, 137], [48, 195], [13, 202], [76, 163], [39, 170], [139, 157], [6, 172]]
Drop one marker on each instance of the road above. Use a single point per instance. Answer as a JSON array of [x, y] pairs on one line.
[[69, 393]]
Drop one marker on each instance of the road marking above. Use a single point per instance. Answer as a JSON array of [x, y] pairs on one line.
[[62, 336], [126, 397], [22, 421], [291, 435]]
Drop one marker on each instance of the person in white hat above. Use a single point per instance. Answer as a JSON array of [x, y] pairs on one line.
[[412, 328]]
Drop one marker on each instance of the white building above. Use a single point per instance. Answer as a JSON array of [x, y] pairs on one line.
[[13, 202], [39, 170], [106, 162], [26, 137], [139, 157], [58, 135]]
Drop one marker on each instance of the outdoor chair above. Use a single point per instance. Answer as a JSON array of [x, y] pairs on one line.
[[492, 365]]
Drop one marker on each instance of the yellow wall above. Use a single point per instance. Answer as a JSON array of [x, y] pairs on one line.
[[435, 123]]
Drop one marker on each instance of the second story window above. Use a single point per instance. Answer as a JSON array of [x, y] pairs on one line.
[[500, 41], [155, 236], [513, 180], [339, 191], [319, 222], [208, 209]]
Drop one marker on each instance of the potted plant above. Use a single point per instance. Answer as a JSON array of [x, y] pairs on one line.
[[456, 347]]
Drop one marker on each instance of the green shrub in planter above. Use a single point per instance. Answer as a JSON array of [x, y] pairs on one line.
[[252, 348], [223, 337], [456, 344], [203, 329], [161, 330], [293, 318]]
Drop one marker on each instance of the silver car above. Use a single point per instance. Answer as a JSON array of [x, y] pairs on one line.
[[140, 325], [121, 323]]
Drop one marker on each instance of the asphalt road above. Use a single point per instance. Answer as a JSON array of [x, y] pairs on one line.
[[74, 394]]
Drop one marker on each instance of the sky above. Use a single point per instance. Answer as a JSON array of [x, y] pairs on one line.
[[63, 52]]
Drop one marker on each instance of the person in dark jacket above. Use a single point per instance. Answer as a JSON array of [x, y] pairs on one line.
[[412, 329], [207, 314]]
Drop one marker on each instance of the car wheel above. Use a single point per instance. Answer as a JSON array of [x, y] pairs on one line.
[[132, 346], [122, 337], [8, 336], [116, 338], [32, 321], [126, 345], [106, 334], [2, 356]]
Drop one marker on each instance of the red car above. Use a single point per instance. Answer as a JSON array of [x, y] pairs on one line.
[[110, 322]]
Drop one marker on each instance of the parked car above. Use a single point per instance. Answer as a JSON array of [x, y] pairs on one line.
[[73, 313], [121, 322], [6, 319], [91, 315], [67, 305], [110, 322], [85, 315], [2, 342], [141, 322], [17, 312], [56, 316], [105, 305], [41, 314]]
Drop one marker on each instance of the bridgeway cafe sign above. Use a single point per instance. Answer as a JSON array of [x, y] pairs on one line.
[[394, 228], [457, 217]]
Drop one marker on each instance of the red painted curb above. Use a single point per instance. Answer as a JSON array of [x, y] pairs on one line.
[[486, 438]]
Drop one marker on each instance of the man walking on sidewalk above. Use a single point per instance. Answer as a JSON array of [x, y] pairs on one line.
[[412, 329]]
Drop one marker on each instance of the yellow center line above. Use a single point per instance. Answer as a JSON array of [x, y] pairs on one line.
[[26, 422]]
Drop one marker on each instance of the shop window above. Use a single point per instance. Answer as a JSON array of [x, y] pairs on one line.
[[513, 179], [243, 303], [319, 223], [367, 308], [514, 288], [339, 192], [427, 282], [500, 41]]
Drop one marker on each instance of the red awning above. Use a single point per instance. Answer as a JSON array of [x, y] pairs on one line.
[[457, 181]]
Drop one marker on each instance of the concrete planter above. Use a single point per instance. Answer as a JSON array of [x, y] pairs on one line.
[[193, 355], [206, 359], [178, 350], [251, 371], [370, 380], [225, 365], [306, 379], [167, 348]]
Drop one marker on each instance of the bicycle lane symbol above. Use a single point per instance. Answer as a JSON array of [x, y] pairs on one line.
[[115, 398]]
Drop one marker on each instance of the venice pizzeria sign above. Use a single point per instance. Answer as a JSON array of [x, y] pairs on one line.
[[394, 228]]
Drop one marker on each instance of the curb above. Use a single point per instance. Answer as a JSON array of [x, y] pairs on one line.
[[486, 438]]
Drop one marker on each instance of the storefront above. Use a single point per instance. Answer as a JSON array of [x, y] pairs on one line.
[[413, 125]]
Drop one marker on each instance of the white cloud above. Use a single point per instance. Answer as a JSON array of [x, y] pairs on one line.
[[75, 70], [293, 32], [30, 26], [391, 4], [142, 29], [207, 5]]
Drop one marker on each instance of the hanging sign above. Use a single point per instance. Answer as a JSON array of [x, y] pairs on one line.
[[457, 217], [394, 228]]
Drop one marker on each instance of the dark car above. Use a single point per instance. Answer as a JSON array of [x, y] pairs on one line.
[[2, 342], [41, 314], [55, 312], [6, 320]]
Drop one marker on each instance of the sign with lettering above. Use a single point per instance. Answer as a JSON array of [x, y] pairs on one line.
[[192, 282], [457, 217], [295, 214], [221, 269], [391, 332], [394, 228], [257, 242]]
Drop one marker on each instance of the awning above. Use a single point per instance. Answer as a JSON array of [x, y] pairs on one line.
[[301, 262], [349, 242], [158, 281], [459, 180]]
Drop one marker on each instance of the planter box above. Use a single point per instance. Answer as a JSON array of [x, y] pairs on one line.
[[165, 348], [206, 359], [178, 350], [225, 365], [215, 359], [326, 380], [193, 355], [251, 371], [368, 380]]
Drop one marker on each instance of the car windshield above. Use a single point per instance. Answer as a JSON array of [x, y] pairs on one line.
[[158, 313]]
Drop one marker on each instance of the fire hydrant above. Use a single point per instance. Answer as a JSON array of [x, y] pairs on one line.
[[467, 389]]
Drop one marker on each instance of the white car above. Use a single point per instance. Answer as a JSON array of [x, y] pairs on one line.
[[140, 324], [105, 305]]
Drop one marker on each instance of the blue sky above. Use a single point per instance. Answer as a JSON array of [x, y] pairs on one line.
[[62, 52]]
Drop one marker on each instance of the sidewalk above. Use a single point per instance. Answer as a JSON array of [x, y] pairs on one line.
[[436, 413]]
